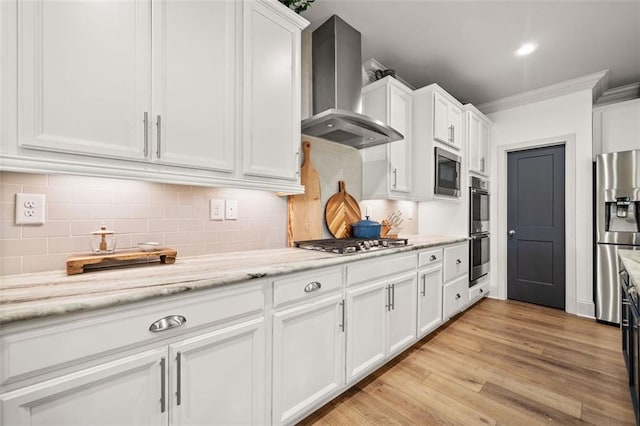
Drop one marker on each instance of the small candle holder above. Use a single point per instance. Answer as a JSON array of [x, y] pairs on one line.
[[103, 241]]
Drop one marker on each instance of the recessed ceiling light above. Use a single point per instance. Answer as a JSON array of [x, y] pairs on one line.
[[526, 49]]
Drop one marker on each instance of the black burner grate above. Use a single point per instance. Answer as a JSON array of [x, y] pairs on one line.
[[351, 245]]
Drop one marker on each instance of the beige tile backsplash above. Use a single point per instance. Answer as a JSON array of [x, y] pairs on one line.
[[174, 215]]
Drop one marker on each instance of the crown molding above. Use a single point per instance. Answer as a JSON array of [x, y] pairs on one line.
[[619, 94], [597, 82]]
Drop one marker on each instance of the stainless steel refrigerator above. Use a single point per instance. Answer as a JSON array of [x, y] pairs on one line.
[[617, 225]]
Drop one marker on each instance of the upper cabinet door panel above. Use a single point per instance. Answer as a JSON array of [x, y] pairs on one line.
[[83, 73], [271, 93], [194, 82], [441, 130]]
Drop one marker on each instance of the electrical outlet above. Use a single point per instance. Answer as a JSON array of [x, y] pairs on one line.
[[30, 209], [216, 211], [231, 210]]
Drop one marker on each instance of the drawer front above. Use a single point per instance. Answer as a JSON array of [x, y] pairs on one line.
[[306, 286], [456, 261], [478, 291], [429, 257], [455, 297], [83, 338], [380, 267]]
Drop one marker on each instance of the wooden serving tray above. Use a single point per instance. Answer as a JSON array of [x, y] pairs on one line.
[[78, 264]]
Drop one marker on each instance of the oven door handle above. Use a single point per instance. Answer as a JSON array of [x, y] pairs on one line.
[[479, 236]]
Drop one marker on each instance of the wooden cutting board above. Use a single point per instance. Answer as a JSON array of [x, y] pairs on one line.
[[340, 212], [305, 210]]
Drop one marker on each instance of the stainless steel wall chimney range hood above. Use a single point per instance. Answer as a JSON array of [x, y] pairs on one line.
[[337, 90]]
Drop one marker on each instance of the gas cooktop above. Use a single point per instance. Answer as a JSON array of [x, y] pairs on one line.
[[352, 245]]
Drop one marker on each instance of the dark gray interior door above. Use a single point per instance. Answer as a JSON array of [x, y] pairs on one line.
[[535, 226]]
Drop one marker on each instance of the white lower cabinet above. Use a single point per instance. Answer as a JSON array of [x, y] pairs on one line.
[[381, 322], [429, 299], [308, 357], [218, 377], [123, 392], [455, 297]]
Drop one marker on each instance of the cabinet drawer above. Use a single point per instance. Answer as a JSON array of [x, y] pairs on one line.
[[380, 267], [306, 286], [478, 291], [456, 261], [83, 338], [455, 297], [429, 257]]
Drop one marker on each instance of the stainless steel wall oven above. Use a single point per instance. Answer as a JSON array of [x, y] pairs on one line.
[[478, 229]]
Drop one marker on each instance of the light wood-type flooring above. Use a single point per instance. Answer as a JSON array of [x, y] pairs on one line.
[[500, 362]]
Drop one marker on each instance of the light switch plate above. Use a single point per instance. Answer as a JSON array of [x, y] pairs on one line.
[[30, 209], [231, 210], [216, 211]]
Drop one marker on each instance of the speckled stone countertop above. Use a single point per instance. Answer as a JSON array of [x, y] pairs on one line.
[[29, 296], [631, 262]]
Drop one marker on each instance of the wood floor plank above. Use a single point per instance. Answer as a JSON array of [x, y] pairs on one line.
[[501, 362]]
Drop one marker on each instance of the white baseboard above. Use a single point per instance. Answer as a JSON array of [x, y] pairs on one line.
[[585, 309]]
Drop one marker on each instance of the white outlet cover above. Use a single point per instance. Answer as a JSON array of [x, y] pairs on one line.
[[30, 209], [216, 209], [231, 209]]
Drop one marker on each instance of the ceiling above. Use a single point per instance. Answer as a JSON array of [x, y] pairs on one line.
[[467, 46]]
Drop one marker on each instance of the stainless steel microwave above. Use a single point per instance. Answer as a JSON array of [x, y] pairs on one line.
[[447, 173]]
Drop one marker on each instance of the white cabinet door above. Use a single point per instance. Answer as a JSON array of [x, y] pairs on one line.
[[619, 127], [455, 126], [123, 392], [219, 377], [366, 319], [83, 82], [400, 151], [455, 296], [429, 299], [441, 131], [271, 99], [402, 315], [308, 356], [478, 143], [194, 83]]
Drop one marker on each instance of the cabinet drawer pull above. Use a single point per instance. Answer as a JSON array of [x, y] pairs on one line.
[[481, 291], [458, 261], [458, 296], [433, 257], [312, 286], [171, 321]]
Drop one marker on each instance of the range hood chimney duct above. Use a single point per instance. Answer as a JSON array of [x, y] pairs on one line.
[[337, 90]]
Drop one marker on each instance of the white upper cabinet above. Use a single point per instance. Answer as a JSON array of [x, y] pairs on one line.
[[616, 127], [447, 121], [272, 91], [478, 132], [194, 80], [202, 92], [83, 86], [387, 169]]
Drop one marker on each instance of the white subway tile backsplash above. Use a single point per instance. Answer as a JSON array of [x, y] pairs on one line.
[[173, 215]]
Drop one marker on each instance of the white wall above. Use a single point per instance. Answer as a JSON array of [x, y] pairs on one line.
[[567, 119]]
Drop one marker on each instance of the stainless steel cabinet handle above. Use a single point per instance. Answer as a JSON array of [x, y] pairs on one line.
[[312, 286], [162, 384], [159, 136], [424, 285], [511, 232], [458, 296], [146, 133], [433, 257], [453, 134], [481, 291], [298, 163], [178, 378], [482, 164], [395, 178], [458, 261], [342, 323], [393, 297], [166, 323], [388, 305]]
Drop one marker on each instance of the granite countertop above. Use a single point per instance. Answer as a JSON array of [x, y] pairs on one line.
[[631, 262], [29, 296]]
